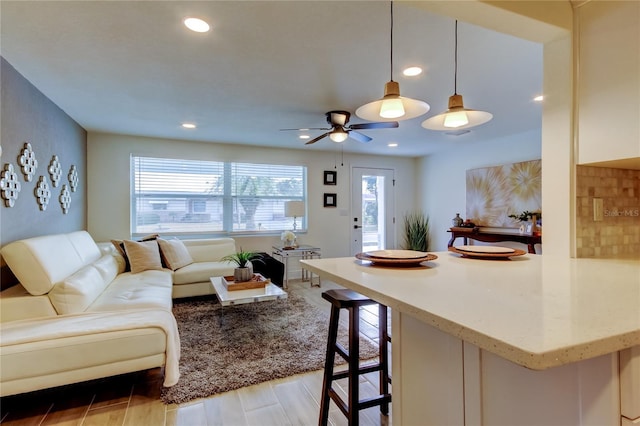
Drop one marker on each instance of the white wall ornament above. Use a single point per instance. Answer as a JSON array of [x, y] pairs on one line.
[[65, 199], [28, 162], [9, 185], [43, 193], [73, 178], [55, 171]]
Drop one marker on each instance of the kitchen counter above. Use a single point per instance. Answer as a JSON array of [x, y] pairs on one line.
[[536, 311]]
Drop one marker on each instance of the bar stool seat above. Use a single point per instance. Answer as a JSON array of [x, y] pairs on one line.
[[352, 301]]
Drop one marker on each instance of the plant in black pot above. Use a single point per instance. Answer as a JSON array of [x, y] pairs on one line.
[[244, 267]]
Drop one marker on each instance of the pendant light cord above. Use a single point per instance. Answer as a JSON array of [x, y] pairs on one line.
[[391, 50], [455, 75]]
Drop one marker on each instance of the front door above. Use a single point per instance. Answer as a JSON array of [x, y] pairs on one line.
[[372, 209]]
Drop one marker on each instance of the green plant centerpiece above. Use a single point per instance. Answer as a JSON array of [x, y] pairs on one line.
[[244, 267], [416, 231]]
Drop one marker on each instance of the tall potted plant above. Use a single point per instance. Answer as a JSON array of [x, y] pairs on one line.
[[244, 267], [416, 231]]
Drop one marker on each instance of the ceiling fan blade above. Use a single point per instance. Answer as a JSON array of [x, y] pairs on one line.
[[377, 125], [359, 136], [307, 128], [314, 140]]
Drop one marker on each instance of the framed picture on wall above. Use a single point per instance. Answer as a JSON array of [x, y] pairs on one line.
[[330, 177], [330, 200]]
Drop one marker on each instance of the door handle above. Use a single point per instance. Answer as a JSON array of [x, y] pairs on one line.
[[356, 226]]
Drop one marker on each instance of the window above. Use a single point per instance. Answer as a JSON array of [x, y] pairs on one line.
[[176, 196]]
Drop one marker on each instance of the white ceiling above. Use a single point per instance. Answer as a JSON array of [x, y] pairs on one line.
[[131, 67]]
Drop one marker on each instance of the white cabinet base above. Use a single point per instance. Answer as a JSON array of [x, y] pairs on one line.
[[438, 379]]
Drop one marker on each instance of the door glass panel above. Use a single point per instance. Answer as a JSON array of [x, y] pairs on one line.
[[373, 213], [372, 208]]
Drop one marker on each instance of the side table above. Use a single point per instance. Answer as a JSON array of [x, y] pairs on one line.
[[303, 252]]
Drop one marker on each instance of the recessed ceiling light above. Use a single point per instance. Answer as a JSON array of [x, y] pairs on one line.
[[392, 145], [304, 136], [412, 71], [539, 98], [188, 125], [197, 25]]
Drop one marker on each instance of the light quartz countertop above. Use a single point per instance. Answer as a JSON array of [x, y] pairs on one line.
[[534, 310]]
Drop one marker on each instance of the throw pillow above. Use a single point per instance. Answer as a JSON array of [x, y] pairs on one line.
[[119, 245], [143, 255], [174, 254]]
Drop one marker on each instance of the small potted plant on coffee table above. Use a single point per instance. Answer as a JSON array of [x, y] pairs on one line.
[[244, 267]]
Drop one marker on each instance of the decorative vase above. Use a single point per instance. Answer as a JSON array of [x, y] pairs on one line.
[[457, 221], [288, 243], [241, 275]]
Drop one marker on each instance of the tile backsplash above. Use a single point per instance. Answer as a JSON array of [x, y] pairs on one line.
[[610, 226]]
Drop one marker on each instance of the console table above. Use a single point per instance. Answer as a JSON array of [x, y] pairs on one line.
[[493, 237], [303, 252]]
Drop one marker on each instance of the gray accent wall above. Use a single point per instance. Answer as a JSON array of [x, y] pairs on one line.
[[27, 115]]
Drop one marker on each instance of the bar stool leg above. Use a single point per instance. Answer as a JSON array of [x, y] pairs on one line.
[[383, 338], [328, 366], [354, 365]]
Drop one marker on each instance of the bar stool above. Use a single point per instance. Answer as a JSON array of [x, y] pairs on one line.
[[352, 301]]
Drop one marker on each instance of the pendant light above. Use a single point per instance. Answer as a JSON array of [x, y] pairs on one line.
[[392, 106], [457, 117]]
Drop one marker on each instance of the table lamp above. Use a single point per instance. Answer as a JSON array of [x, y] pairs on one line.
[[294, 209]]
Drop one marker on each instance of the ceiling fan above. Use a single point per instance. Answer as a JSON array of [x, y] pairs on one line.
[[339, 131]]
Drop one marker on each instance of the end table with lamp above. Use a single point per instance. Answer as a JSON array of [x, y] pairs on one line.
[[302, 252]]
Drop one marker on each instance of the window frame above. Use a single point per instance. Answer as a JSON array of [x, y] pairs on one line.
[[227, 198]]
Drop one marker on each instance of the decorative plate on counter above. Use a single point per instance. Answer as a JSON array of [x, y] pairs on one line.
[[487, 252], [396, 259], [486, 249], [396, 254]]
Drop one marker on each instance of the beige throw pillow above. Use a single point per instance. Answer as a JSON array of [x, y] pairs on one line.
[[143, 255], [174, 254], [119, 245]]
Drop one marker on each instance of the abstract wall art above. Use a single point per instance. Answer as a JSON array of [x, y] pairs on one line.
[[494, 193]]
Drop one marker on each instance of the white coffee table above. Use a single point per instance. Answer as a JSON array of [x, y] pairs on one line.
[[239, 297]]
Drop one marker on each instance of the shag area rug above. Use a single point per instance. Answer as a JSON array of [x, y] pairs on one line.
[[248, 344]]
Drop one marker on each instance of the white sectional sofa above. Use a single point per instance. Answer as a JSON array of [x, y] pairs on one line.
[[76, 315]]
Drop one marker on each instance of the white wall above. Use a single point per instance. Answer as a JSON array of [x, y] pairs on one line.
[[109, 198], [442, 177]]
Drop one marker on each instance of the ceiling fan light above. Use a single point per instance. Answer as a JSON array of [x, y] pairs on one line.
[[338, 135]]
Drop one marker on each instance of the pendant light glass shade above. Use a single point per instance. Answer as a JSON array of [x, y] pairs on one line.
[[392, 106], [457, 117]]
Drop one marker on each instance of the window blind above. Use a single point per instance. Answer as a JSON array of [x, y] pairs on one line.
[[176, 196]]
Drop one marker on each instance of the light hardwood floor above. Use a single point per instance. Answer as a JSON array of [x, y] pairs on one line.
[[134, 399]]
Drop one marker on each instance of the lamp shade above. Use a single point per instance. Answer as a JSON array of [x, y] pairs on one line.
[[457, 117], [392, 107], [294, 208]]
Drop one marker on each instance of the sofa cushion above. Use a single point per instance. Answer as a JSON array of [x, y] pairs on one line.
[[174, 254], [148, 289], [143, 256], [16, 303], [41, 262], [202, 271], [76, 292], [210, 249]]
